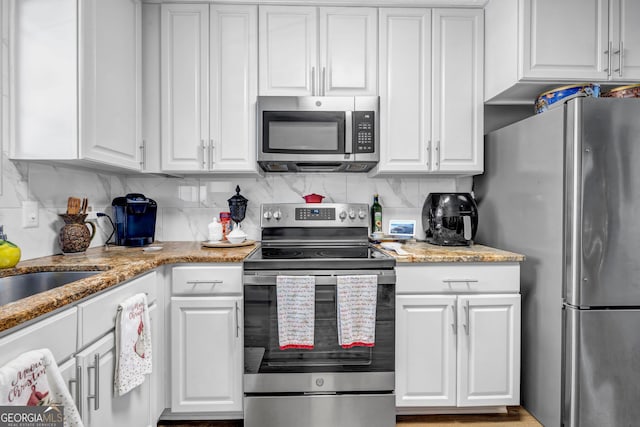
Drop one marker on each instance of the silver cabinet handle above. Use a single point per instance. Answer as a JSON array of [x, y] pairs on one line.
[[454, 325], [201, 282], [313, 81], [78, 389], [620, 53], [348, 132], [428, 154], [436, 159], [467, 281], [204, 156], [143, 158], [237, 321], [96, 375], [466, 324], [608, 52], [211, 148], [324, 81]]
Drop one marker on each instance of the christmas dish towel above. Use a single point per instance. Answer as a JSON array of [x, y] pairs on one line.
[[356, 307], [296, 311], [34, 379], [133, 344]]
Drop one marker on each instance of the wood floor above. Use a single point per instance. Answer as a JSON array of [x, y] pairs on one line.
[[515, 417]]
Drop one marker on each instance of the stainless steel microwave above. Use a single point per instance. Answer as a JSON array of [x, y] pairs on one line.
[[318, 134]]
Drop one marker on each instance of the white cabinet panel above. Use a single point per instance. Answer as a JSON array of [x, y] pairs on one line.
[[206, 354], [458, 120], [405, 90], [625, 39], [565, 39], [288, 50], [234, 87], [425, 350], [348, 51], [489, 350], [185, 79]]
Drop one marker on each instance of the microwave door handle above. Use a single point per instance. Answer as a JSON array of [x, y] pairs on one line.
[[348, 132]]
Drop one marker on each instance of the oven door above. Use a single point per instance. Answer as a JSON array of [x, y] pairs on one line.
[[328, 366]]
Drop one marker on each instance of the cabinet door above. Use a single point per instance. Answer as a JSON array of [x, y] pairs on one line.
[[185, 90], [206, 354], [565, 39], [288, 50], [489, 350], [97, 364], [458, 121], [348, 51], [110, 90], [405, 90], [234, 87], [425, 350], [625, 37]]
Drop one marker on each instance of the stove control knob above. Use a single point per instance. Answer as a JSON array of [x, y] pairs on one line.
[[362, 214], [277, 215], [352, 214], [267, 215], [343, 215]]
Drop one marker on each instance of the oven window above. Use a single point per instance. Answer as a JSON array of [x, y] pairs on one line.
[[299, 132], [263, 354]]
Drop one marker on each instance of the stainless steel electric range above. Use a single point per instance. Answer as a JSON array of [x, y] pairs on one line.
[[327, 385]]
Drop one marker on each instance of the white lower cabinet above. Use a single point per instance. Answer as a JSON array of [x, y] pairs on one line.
[[457, 347], [206, 339]]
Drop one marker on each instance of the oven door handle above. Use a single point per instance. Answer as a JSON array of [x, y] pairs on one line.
[[269, 280]]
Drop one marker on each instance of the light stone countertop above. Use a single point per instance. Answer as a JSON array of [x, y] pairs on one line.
[[422, 252]]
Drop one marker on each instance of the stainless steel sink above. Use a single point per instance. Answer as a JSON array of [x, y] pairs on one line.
[[13, 288]]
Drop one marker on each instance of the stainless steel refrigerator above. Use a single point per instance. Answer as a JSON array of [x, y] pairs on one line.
[[563, 188]]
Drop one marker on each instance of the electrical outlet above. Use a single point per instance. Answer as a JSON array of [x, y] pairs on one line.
[[29, 214]]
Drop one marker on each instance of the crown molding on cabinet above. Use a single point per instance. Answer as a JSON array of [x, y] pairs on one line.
[[369, 3]]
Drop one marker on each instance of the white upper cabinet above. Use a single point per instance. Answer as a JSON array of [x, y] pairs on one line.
[[545, 43], [317, 51], [431, 85], [76, 68], [405, 90], [209, 87], [458, 120]]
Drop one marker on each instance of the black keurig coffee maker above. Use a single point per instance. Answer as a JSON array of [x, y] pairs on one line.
[[135, 219], [450, 219]]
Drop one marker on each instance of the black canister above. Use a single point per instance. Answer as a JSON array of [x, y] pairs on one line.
[[450, 219]]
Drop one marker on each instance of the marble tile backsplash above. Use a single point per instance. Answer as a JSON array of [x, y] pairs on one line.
[[186, 205]]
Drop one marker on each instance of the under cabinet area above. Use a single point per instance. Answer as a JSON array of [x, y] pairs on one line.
[[457, 337], [319, 51], [431, 88], [209, 78], [206, 340], [75, 93]]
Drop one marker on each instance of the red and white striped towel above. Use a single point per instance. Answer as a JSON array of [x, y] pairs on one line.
[[357, 298], [296, 311]]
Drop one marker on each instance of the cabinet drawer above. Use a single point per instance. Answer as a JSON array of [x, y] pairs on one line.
[[207, 280], [458, 278], [97, 316], [57, 333]]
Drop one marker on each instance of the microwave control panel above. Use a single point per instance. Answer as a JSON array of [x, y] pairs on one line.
[[363, 131]]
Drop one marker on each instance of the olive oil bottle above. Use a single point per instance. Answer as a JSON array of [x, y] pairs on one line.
[[376, 215]]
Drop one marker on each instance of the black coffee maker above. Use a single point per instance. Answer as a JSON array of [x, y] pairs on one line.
[[450, 219], [135, 219]]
